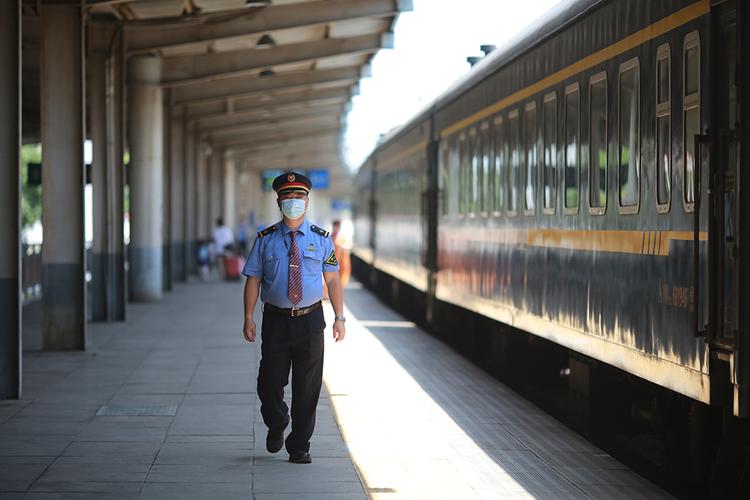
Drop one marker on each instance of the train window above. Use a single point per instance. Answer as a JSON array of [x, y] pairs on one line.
[[572, 141], [549, 140], [629, 171], [663, 129], [463, 170], [500, 162], [485, 168], [530, 160], [690, 113], [474, 147], [598, 143], [515, 161]]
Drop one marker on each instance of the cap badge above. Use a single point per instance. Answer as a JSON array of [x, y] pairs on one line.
[[290, 177]]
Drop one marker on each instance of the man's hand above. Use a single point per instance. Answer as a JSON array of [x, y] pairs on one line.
[[249, 330], [252, 290], [339, 330]]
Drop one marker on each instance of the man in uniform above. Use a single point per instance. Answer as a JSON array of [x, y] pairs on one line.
[[287, 265]]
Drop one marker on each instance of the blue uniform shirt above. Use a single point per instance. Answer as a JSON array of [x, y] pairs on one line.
[[269, 260]]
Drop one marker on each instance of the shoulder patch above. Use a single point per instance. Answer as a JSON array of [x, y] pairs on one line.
[[267, 231], [322, 232], [332, 260]]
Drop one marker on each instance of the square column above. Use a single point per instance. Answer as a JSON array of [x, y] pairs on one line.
[[10, 200], [216, 184], [63, 125], [96, 82], [201, 194], [189, 196], [167, 194], [115, 183], [177, 181]]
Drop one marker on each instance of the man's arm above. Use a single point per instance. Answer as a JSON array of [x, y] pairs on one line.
[[252, 290], [336, 294]]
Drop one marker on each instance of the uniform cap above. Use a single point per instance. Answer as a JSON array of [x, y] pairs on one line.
[[291, 182]]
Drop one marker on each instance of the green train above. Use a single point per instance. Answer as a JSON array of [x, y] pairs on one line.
[[584, 185]]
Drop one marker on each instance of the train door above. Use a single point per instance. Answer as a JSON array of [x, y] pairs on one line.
[[430, 207], [431, 200], [725, 173], [373, 206]]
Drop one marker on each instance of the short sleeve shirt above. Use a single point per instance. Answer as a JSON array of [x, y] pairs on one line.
[[269, 260]]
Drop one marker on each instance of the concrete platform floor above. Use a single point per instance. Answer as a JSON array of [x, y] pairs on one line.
[[164, 406], [182, 379]]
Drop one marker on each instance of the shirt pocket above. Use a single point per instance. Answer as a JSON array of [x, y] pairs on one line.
[[312, 262], [270, 268]]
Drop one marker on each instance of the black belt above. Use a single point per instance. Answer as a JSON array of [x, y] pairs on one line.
[[294, 311]]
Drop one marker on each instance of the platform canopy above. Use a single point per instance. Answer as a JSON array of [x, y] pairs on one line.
[[269, 80]]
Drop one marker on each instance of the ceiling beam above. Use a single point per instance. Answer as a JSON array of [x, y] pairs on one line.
[[293, 160], [245, 119], [275, 127], [247, 86], [184, 70], [275, 137], [254, 104], [256, 21], [309, 142]]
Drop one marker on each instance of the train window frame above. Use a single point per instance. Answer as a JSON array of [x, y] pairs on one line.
[[473, 148], [572, 88], [689, 102], [462, 153], [630, 64], [485, 197], [593, 80], [499, 154], [663, 110], [550, 97], [529, 107], [513, 114]]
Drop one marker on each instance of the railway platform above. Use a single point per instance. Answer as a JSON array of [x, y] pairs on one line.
[[164, 406]]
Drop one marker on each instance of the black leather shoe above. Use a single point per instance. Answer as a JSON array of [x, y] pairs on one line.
[[300, 458], [274, 440]]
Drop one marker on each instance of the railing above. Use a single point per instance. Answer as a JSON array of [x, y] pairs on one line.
[[31, 267]]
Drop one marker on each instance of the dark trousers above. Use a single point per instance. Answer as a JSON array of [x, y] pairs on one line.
[[295, 343]]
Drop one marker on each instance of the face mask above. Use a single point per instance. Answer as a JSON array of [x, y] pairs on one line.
[[293, 208]]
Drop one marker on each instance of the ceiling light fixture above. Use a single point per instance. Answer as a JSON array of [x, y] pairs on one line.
[[265, 42]]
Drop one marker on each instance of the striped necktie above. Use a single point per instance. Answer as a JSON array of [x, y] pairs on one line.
[[295, 271]]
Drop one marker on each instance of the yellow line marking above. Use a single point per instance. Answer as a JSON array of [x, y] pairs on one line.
[[402, 154], [682, 16], [632, 242]]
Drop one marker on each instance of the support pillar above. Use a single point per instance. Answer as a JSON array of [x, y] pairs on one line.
[[177, 176], [189, 197], [201, 191], [167, 194], [63, 258], [10, 199], [216, 184], [115, 185], [146, 137], [96, 77], [230, 187]]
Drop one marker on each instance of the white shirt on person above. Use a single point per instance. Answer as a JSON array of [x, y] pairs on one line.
[[222, 237]]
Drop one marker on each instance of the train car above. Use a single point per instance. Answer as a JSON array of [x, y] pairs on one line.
[[583, 185]]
